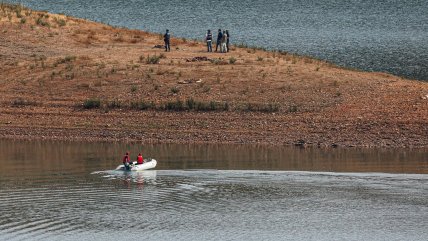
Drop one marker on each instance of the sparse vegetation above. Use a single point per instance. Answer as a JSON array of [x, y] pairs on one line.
[[175, 90], [42, 22], [261, 107], [19, 102], [92, 104], [154, 59], [66, 59], [142, 105], [218, 61], [232, 60], [191, 104], [177, 105], [61, 22], [115, 104], [292, 109], [257, 89], [206, 89]]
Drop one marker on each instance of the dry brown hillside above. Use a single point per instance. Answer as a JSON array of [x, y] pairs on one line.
[[68, 78]]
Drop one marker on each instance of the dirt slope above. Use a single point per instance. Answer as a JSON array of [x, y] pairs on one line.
[[68, 78]]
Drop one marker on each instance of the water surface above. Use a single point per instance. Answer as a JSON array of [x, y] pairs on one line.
[[69, 191]]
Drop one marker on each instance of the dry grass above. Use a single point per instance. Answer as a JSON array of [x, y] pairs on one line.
[[93, 61]]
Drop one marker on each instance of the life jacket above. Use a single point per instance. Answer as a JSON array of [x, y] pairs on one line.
[[140, 160], [209, 36]]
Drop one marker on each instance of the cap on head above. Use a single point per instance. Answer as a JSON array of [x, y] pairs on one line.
[[167, 30], [219, 30]]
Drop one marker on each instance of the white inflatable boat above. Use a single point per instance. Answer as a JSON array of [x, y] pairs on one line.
[[147, 164]]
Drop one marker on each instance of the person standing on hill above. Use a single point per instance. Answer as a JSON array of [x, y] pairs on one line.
[[223, 42], [166, 39], [219, 37], [227, 40], [209, 39]]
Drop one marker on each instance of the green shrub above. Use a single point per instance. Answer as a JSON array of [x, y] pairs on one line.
[[232, 60], [259, 107], [211, 106], [217, 61], [175, 90], [91, 104], [60, 22], [142, 105], [42, 22], [191, 104], [66, 59], [153, 59], [115, 104], [21, 102], [206, 89], [177, 105], [292, 109]]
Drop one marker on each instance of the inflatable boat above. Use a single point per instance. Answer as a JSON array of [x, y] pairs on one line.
[[147, 164]]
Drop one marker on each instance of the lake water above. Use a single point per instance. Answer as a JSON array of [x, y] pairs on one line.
[[69, 191], [381, 35]]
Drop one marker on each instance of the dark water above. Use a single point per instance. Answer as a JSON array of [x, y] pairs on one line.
[[381, 35], [68, 191]]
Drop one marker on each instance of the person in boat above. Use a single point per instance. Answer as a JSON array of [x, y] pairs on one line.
[[209, 39], [140, 159], [166, 39], [126, 161]]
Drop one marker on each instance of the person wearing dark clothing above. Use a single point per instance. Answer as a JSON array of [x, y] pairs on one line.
[[209, 39], [126, 161], [166, 38], [219, 37], [227, 40]]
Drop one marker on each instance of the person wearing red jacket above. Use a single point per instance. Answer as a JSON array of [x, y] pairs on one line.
[[140, 159]]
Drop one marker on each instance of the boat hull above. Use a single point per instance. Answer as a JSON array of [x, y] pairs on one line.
[[148, 164]]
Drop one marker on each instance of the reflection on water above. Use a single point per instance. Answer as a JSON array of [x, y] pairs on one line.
[[87, 157], [69, 191]]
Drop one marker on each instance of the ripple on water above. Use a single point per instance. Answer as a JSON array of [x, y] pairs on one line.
[[212, 205]]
